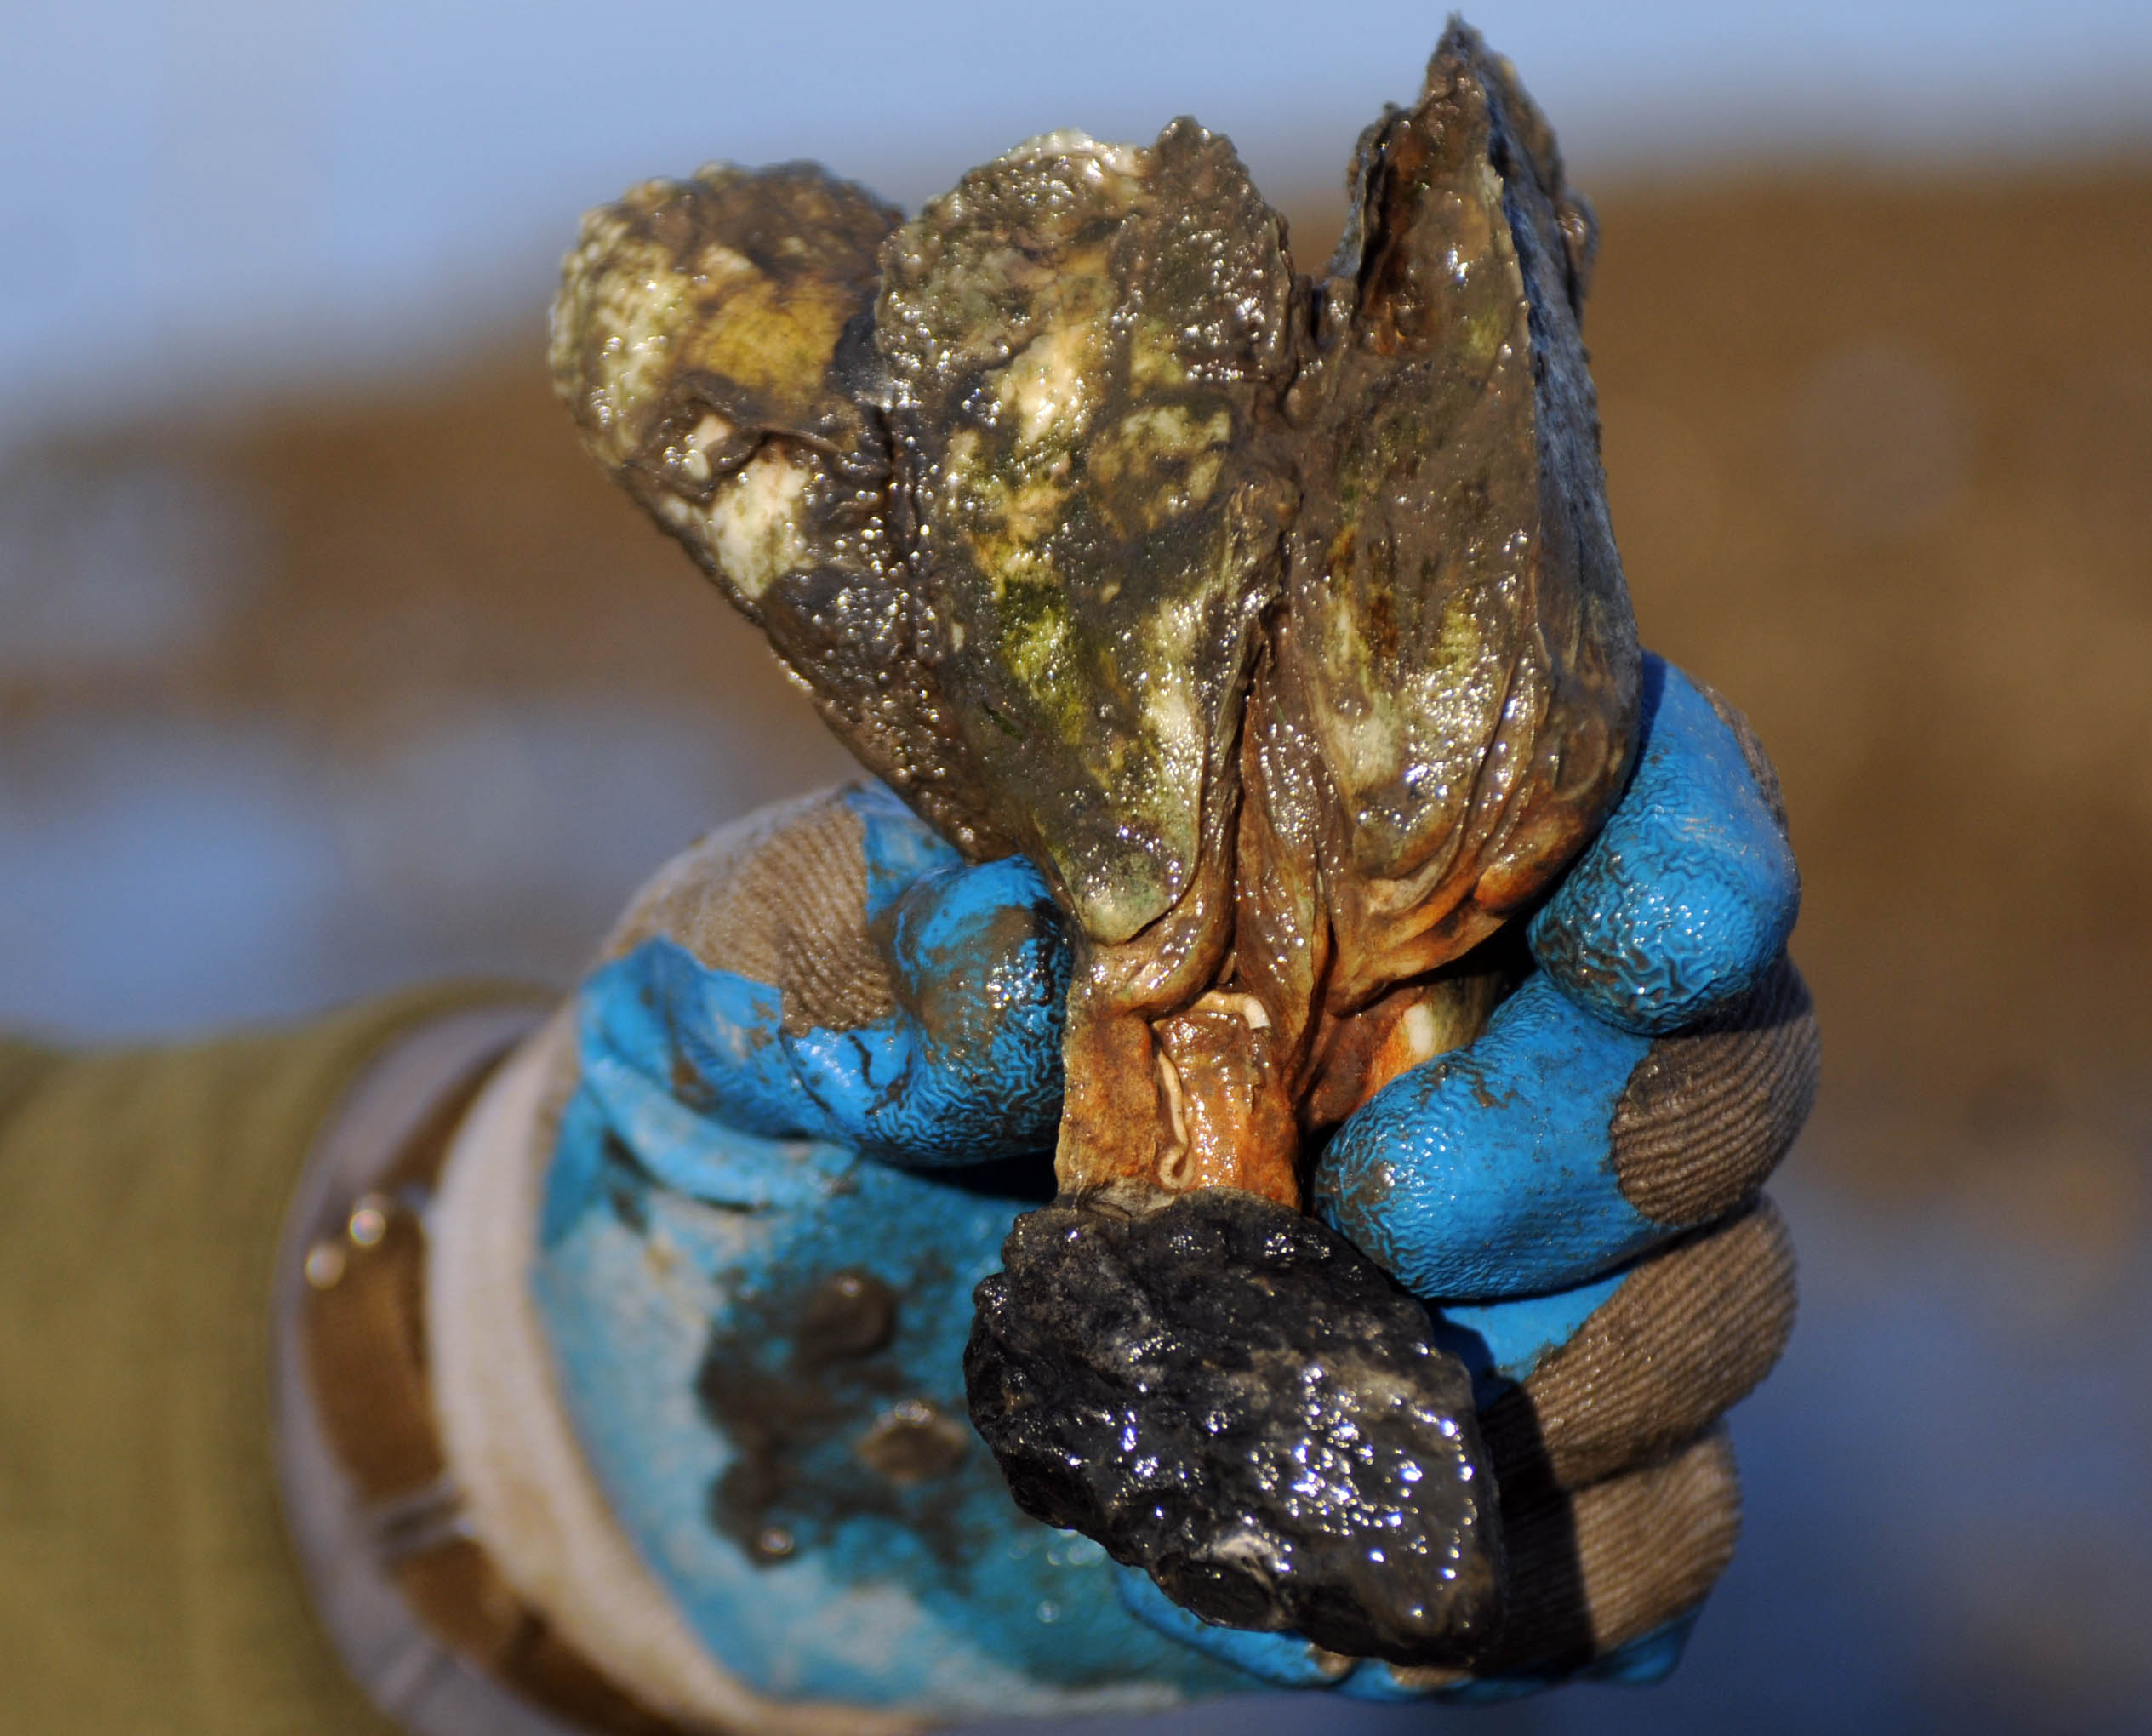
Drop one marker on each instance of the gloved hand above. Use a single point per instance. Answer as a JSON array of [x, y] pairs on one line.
[[1577, 1192], [804, 1090], [810, 1092]]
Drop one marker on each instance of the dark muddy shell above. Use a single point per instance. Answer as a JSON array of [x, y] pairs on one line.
[[1232, 1397]]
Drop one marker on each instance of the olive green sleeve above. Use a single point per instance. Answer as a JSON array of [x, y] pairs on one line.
[[146, 1581]]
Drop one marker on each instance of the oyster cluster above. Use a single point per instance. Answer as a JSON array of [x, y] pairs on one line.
[[1277, 619]]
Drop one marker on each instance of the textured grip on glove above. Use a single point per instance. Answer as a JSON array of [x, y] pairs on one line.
[[781, 900], [1708, 1112], [1689, 1333], [1594, 1569]]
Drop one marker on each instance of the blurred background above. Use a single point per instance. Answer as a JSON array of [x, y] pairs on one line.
[[328, 663]]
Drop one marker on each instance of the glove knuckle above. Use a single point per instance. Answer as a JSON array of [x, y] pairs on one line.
[[1708, 1113], [1691, 1331], [1594, 1569]]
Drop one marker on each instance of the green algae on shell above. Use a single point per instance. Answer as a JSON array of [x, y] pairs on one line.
[[1080, 339]]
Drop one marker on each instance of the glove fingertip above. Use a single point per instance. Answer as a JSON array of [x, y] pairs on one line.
[[1486, 1173], [1688, 895]]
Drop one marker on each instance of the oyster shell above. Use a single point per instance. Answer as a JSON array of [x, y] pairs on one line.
[[1279, 621]]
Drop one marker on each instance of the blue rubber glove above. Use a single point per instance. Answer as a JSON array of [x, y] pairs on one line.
[[820, 1076], [814, 1088]]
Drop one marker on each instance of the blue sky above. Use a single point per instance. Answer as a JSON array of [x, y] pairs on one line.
[[203, 194]]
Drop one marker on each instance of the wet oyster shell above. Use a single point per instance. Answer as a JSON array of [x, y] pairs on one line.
[[1279, 622], [712, 338]]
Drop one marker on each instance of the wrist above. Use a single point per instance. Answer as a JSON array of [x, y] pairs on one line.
[[528, 1491], [406, 1592]]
